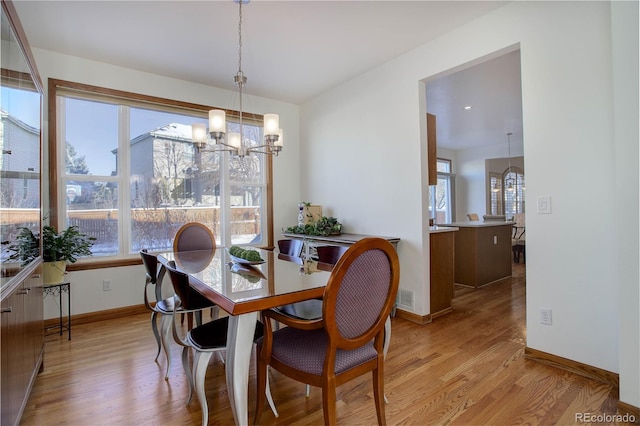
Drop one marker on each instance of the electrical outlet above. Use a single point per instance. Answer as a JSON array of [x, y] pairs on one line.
[[106, 285], [545, 316]]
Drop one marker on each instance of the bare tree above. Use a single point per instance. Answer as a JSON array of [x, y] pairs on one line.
[[171, 159]]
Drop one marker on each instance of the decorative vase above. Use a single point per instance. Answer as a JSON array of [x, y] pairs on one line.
[[53, 272], [301, 214]]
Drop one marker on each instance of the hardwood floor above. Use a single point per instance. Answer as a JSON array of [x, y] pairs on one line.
[[464, 368]]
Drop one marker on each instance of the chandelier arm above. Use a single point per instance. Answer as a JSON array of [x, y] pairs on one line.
[[264, 149], [229, 148]]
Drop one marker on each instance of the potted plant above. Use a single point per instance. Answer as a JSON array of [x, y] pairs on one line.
[[58, 249]]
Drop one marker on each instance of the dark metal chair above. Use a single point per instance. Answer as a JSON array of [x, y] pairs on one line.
[[154, 276], [166, 307], [205, 339]]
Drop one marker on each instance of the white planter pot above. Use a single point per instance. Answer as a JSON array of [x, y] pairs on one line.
[[53, 272]]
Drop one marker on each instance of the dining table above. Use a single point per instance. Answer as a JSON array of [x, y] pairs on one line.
[[243, 289]]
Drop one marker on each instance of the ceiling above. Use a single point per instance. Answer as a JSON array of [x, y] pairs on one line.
[[292, 50], [477, 106]]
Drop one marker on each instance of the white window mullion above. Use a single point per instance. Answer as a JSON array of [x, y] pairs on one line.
[[225, 201], [124, 191], [60, 204]]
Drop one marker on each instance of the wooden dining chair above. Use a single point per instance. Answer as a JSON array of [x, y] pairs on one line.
[[205, 340], [473, 217], [348, 340], [330, 254], [193, 236], [290, 247]]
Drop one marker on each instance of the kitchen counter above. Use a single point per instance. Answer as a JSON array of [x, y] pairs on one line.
[[475, 224], [482, 252], [441, 228]]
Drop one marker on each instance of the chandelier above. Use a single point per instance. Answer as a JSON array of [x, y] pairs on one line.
[[509, 181], [235, 142]]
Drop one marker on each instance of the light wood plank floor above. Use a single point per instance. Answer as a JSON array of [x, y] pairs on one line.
[[465, 368]]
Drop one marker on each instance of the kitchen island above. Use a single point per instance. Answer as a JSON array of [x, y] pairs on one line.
[[482, 252]]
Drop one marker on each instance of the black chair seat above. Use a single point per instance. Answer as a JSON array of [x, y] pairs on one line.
[[213, 334], [306, 310], [210, 335]]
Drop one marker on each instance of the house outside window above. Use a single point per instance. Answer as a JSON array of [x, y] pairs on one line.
[[130, 175], [442, 195]]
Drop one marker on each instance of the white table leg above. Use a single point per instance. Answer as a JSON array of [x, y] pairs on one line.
[[387, 336], [239, 346], [387, 341]]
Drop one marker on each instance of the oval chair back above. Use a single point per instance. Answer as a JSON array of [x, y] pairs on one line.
[[361, 293], [194, 236]]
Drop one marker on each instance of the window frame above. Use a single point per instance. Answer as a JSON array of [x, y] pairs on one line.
[[58, 87], [450, 190], [518, 179]]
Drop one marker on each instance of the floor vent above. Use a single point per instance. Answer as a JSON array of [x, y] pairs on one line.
[[405, 298]]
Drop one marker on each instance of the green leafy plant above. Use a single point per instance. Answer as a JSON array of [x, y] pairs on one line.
[[322, 227], [26, 248], [246, 254], [67, 245]]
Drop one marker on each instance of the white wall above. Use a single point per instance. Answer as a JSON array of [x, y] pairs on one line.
[[471, 178], [364, 156], [127, 282], [625, 70]]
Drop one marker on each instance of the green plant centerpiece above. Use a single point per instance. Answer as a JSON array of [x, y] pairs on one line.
[[323, 227], [58, 249], [246, 254]]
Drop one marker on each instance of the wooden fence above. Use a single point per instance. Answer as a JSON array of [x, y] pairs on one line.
[[147, 224]]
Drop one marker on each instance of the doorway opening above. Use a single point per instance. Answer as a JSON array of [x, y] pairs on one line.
[[476, 105]]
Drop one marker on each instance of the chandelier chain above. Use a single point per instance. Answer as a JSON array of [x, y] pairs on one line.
[[218, 126], [240, 38], [240, 78], [509, 149]]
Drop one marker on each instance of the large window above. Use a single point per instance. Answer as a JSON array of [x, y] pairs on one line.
[[127, 172], [442, 195]]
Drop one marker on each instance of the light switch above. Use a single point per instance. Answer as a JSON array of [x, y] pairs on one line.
[[544, 205]]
